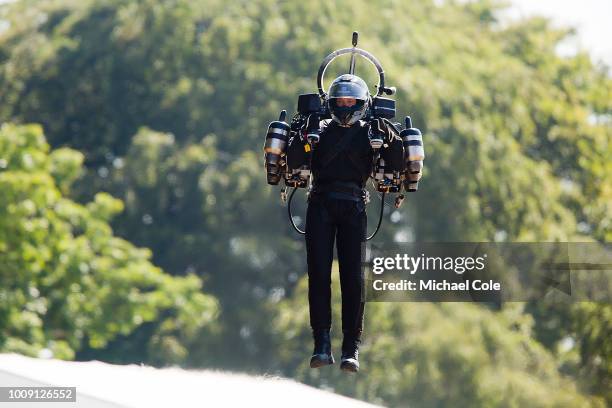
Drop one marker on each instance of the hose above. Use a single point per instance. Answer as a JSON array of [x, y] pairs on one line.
[[380, 217], [295, 227]]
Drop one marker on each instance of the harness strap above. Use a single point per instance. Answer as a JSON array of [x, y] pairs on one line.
[[341, 145]]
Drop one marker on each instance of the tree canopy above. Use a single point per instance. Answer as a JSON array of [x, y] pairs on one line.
[[67, 281], [168, 103]]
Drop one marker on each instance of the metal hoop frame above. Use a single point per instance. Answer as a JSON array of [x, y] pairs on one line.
[[350, 50]]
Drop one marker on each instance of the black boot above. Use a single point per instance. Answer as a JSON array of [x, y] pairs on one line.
[[350, 353], [322, 355]]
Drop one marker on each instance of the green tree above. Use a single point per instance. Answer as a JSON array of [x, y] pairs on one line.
[[435, 355], [94, 72], [67, 281], [169, 100]]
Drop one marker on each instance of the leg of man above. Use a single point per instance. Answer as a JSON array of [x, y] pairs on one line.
[[320, 232], [351, 234]]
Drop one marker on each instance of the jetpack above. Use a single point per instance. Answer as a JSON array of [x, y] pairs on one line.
[[304, 127]]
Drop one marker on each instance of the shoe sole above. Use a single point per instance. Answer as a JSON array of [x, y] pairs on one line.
[[316, 361], [349, 366]]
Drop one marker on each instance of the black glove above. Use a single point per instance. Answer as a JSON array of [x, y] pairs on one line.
[[298, 152], [392, 150]]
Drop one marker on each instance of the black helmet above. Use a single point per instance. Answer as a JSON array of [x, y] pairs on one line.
[[348, 86]]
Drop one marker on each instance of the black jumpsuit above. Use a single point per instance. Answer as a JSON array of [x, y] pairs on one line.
[[336, 214]]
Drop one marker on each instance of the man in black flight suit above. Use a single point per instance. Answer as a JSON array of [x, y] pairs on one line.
[[341, 164]]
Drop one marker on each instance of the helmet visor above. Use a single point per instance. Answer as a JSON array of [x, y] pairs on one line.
[[345, 102], [346, 89]]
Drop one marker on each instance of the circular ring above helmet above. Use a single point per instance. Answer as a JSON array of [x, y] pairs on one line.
[[363, 53]]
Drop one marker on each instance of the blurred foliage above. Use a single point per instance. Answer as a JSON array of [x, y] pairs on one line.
[[436, 355], [169, 100], [67, 282]]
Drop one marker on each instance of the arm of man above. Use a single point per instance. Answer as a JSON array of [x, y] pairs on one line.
[[297, 152], [392, 150], [298, 149]]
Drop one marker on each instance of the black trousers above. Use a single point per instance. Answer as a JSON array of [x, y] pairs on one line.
[[345, 221]]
